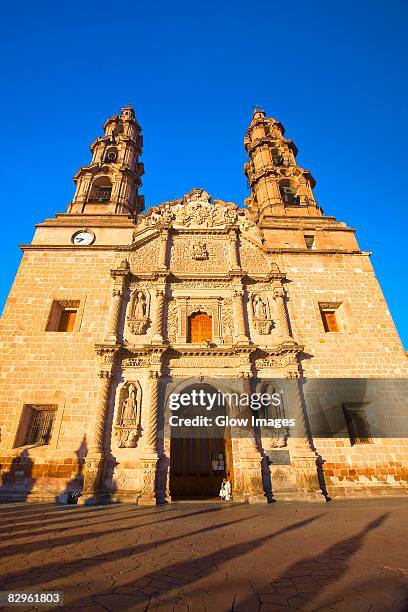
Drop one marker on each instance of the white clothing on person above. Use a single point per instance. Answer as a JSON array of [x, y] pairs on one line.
[[225, 491]]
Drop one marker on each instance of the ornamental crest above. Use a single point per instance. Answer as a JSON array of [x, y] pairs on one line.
[[196, 211]]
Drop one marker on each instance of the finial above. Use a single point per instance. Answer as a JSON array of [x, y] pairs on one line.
[[257, 109]]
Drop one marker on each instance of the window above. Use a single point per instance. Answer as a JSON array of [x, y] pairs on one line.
[[101, 190], [357, 424], [329, 318], [63, 316], [289, 194], [40, 420], [310, 241], [199, 328], [102, 193], [277, 158]]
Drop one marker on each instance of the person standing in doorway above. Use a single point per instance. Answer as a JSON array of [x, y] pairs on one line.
[[225, 491]]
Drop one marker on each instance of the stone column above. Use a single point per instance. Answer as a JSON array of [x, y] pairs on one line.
[[163, 250], [249, 483], [150, 455], [283, 322], [303, 457], [158, 322], [151, 441], [239, 317], [119, 275], [95, 459], [232, 236], [98, 444]]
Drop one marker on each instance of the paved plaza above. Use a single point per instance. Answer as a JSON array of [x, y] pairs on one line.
[[214, 557]]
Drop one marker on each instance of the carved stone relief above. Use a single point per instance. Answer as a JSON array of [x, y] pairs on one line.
[[253, 259], [127, 425], [138, 317], [172, 321], [200, 251], [261, 315], [197, 211], [227, 324], [145, 257], [188, 255]]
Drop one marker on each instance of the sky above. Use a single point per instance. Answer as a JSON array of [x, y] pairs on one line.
[[333, 73]]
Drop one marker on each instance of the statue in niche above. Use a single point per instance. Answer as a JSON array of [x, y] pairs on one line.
[[261, 318], [127, 428], [129, 408], [140, 305], [138, 318], [259, 308]]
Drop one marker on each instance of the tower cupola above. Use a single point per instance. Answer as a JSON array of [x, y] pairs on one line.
[[110, 183], [278, 185]]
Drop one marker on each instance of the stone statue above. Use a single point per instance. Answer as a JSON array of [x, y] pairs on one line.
[[261, 318], [127, 428], [138, 318], [129, 408], [140, 305], [259, 308]]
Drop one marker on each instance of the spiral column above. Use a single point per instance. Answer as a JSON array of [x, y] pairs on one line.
[[239, 317], [282, 315], [158, 322], [302, 455], [119, 276]]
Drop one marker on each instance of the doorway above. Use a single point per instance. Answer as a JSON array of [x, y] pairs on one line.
[[197, 467]]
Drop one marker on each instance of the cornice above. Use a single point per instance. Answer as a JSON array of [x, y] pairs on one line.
[[305, 251]]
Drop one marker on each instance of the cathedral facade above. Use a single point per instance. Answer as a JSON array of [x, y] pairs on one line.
[[110, 304]]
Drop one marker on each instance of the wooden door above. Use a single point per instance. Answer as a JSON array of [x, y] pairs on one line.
[[199, 327], [196, 467]]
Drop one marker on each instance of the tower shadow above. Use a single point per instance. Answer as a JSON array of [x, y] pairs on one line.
[[306, 579], [18, 481], [75, 485]]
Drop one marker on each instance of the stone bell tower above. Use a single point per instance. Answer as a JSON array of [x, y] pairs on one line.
[[111, 182], [278, 185]]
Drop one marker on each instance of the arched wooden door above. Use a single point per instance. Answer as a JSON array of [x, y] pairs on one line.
[[199, 327]]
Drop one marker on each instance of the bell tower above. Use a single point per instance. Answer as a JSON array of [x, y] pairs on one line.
[[278, 185], [111, 182]]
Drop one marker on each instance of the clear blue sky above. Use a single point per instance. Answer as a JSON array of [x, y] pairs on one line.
[[333, 73]]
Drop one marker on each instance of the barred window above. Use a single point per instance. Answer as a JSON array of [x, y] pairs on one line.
[[357, 424], [40, 420]]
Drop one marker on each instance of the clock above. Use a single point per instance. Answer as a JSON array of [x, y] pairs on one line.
[[83, 238]]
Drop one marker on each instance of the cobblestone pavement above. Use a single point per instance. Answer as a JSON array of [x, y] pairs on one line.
[[344, 556]]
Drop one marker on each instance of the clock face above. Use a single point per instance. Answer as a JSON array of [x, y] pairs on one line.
[[83, 238]]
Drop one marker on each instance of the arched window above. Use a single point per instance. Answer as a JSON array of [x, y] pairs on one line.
[[288, 192], [101, 190], [199, 328], [277, 157]]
